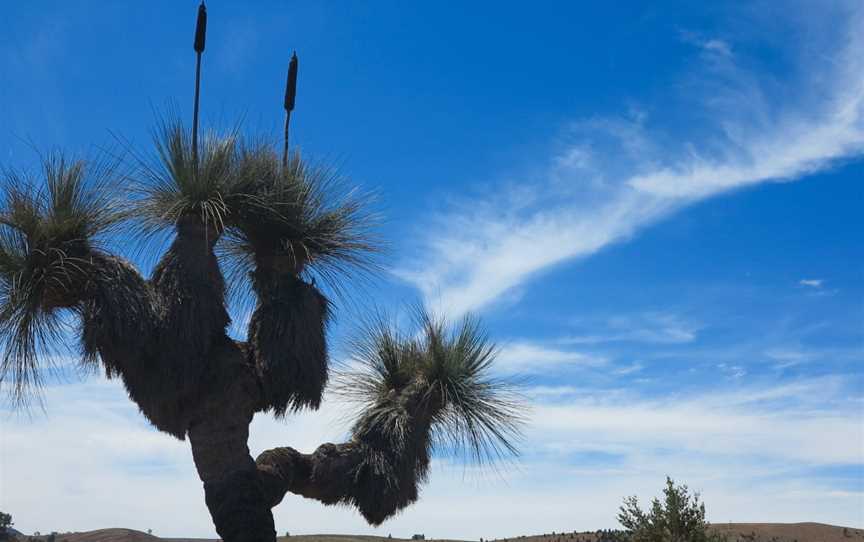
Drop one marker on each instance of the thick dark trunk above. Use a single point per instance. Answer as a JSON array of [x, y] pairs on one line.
[[218, 433], [232, 489]]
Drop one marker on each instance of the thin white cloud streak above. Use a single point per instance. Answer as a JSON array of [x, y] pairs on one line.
[[485, 248], [629, 369], [791, 356], [651, 327], [789, 424], [699, 430], [709, 46], [732, 371], [526, 357]]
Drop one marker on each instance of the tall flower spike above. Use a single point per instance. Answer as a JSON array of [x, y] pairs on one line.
[[290, 94], [200, 38]]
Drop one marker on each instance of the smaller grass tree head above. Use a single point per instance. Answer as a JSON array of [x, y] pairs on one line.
[[49, 230], [179, 189], [443, 374], [300, 218]]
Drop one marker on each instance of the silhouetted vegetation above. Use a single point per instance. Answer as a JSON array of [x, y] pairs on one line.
[[679, 517], [5, 525]]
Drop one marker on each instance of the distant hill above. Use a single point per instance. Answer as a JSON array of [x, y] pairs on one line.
[[101, 535], [738, 532], [790, 532]]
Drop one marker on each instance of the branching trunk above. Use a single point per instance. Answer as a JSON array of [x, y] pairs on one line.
[[218, 434], [324, 475], [378, 471], [157, 335], [232, 489], [192, 295], [120, 325], [288, 341]]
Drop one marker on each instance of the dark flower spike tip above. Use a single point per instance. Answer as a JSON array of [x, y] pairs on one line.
[[201, 28], [291, 84], [290, 95]]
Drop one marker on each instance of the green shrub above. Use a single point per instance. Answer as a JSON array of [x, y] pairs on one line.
[[680, 517]]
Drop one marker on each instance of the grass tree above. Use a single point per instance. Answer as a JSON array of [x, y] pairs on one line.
[[243, 216]]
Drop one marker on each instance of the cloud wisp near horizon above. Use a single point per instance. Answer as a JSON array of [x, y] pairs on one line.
[[594, 193], [614, 441]]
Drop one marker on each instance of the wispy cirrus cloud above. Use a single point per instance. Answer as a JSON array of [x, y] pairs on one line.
[[753, 420], [648, 327], [816, 288], [709, 46], [628, 369], [524, 357], [619, 176], [732, 371]]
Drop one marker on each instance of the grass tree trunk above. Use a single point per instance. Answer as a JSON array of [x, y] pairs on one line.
[[232, 489]]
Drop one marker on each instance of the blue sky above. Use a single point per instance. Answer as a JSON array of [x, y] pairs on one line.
[[656, 210]]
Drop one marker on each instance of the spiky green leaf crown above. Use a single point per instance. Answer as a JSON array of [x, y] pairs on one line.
[[47, 235], [296, 218], [177, 186], [443, 373]]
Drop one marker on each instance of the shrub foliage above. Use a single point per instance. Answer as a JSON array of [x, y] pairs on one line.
[[679, 517]]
